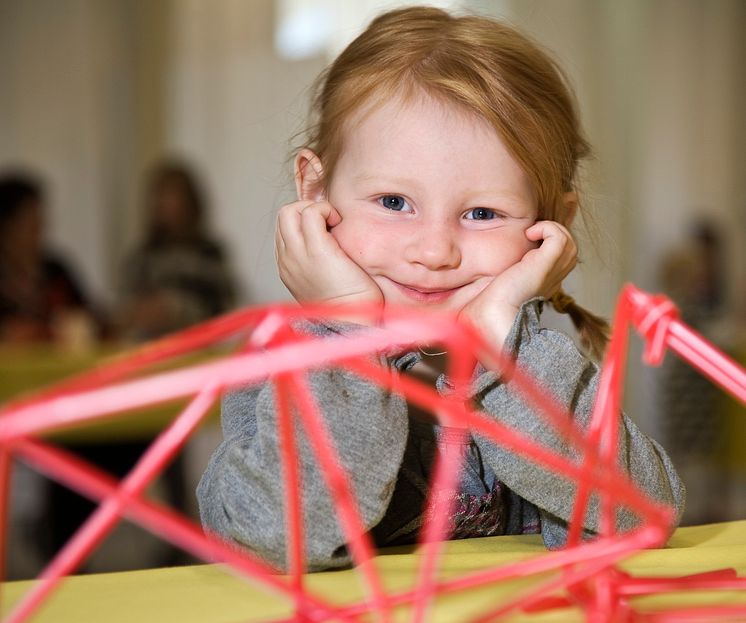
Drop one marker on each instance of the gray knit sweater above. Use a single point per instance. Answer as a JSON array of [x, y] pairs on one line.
[[389, 455]]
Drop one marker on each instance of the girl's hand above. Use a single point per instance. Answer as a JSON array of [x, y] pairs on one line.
[[540, 272], [311, 263]]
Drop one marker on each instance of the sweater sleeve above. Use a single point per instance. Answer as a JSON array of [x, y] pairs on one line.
[[554, 361], [241, 493]]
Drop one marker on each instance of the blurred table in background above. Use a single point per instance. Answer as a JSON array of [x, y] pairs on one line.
[[45, 514], [28, 369]]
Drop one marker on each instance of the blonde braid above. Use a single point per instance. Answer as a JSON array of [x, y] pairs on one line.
[[593, 329]]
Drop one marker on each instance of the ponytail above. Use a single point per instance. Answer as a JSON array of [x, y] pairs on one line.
[[593, 330]]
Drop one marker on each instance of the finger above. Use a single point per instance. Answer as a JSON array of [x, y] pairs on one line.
[[315, 221], [543, 230], [557, 253], [334, 218], [555, 239], [283, 258], [330, 214], [280, 246], [286, 220], [289, 225]]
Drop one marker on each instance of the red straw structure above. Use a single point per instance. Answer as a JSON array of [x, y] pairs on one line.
[[5, 475], [584, 575]]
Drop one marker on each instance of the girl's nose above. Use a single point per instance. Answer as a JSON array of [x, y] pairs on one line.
[[433, 246]]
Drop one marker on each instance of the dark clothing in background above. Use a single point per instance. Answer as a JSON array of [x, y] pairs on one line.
[[41, 297], [192, 277]]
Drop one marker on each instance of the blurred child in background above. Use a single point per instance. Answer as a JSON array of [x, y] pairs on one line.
[[178, 275]]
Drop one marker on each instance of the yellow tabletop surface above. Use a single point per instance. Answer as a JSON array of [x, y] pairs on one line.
[[208, 594], [28, 369]]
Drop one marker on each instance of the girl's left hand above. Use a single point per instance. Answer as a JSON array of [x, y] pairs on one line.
[[540, 272]]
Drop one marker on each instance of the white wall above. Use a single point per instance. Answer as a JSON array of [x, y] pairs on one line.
[[233, 107], [94, 90], [661, 87], [691, 151], [63, 81]]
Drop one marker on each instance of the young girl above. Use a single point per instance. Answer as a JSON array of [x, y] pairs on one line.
[[439, 174]]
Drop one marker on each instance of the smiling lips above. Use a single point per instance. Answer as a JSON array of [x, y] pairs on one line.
[[425, 295]]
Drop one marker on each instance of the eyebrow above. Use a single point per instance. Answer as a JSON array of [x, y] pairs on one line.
[[496, 194], [396, 181]]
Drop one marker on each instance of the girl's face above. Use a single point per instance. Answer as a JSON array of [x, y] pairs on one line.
[[433, 206]]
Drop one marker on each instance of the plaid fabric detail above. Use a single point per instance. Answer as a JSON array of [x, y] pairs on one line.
[[476, 516]]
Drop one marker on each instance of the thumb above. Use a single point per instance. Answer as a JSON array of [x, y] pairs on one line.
[[333, 218]]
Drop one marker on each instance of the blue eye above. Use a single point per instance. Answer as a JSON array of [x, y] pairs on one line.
[[481, 214], [395, 203]]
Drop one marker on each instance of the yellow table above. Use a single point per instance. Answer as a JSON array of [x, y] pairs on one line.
[[24, 370], [207, 594]]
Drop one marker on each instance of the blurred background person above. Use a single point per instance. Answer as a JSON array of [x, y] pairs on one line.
[[41, 299], [178, 275], [42, 302], [693, 274]]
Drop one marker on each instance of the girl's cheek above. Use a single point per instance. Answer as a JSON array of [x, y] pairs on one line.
[[351, 238]]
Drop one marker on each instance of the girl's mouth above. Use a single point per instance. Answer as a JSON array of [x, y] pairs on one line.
[[425, 295]]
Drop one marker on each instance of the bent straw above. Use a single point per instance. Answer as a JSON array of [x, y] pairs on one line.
[[611, 550], [125, 364], [697, 614], [654, 317], [341, 490], [293, 502], [157, 518], [106, 516], [5, 484], [273, 331], [50, 414], [502, 435], [691, 346], [446, 477]]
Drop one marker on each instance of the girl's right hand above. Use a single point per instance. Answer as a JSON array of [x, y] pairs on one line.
[[311, 263]]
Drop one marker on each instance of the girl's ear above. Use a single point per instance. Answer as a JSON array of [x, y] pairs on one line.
[[309, 176], [569, 207]]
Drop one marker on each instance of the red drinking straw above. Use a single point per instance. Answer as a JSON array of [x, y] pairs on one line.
[[276, 352]]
